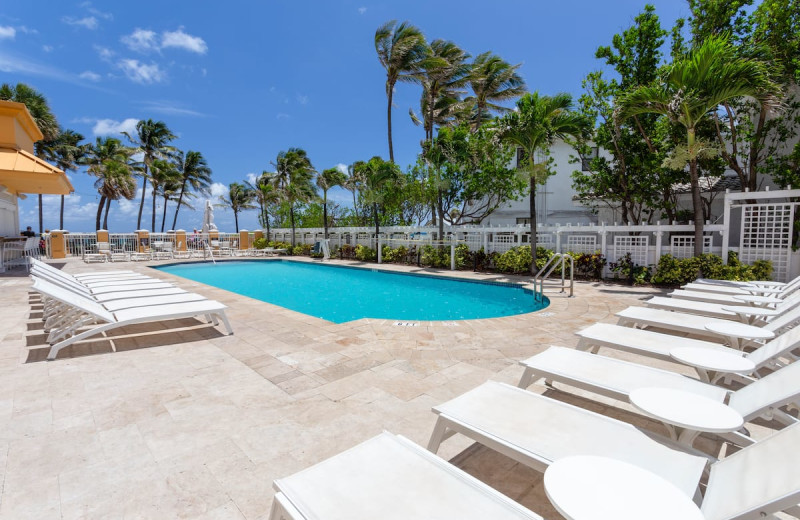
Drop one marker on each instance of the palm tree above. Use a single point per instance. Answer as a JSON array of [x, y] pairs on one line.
[[692, 87], [294, 179], [379, 177], [169, 189], [266, 195], [66, 152], [325, 181], [162, 173], [44, 118], [108, 160], [354, 183], [400, 48], [534, 127], [492, 80], [196, 176], [152, 138], [441, 75], [239, 198]]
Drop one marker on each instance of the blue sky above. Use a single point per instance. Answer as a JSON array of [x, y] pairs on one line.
[[241, 81]]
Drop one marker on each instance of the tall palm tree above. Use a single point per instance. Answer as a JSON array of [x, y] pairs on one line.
[[442, 74], [534, 127], [400, 48], [170, 189], [379, 177], [493, 80], [325, 181], [239, 198], [44, 118], [162, 173], [293, 177], [354, 183], [266, 196], [692, 87], [196, 176], [152, 139], [108, 160], [66, 151]]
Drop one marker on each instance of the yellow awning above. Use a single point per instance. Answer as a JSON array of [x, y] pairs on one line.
[[23, 172]]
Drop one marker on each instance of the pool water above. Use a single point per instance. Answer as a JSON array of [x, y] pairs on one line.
[[341, 294]]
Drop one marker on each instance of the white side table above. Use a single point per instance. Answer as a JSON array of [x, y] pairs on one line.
[[712, 363], [736, 332], [686, 414], [600, 488], [749, 314]]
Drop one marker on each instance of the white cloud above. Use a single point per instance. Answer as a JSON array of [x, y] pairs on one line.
[[88, 74], [26, 30], [170, 108], [142, 72], [104, 52], [88, 22], [252, 178], [217, 190], [47, 48], [362, 10], [141, 40], [302, 99], [96, 12], [112, 127], [7, 32], [342, 168], [282, 116], [182, 40]]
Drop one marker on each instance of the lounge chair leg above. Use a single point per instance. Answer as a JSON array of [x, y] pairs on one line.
[[437, 436], [225, 322], [527, 378]]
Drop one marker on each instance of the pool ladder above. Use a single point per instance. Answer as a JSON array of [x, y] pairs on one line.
[[557, 260], [207, 249]]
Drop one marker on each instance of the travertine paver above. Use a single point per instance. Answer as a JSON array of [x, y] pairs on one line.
[[191, 423]]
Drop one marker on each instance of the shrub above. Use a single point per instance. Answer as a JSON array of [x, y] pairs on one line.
[[434, 256], [678, 271], [589, 264], [464, 257], [626, 268], [396, 254], [365, 254], [280, 245], [517, 260], [347, 252], [300, 249], [260, 243]]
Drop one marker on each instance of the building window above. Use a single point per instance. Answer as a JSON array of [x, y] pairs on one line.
[[586, 160], [524, 220]]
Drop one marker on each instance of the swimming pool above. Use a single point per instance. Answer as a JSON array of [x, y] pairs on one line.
[[340, 294]]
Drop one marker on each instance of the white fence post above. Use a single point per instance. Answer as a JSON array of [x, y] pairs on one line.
[[380, 250], [452, 254]]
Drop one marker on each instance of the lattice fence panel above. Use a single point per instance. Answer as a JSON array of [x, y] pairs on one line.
[[502, 243], [363, 239], [582, 243], [767, 235], [544, 240], [682, 246], [636, 246], [474, 241]]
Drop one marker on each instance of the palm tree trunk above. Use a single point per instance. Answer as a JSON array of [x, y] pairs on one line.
[[41, 218], [99, 211], [153, 222], [325, 214], [355, 205], [236, 219], [61, 215], [266, 221], [141, 204], [180, 200], [377, 223], [164, 214], [533, 225], [697, 201], [291, 217], [390, 94], [440, 211], [105, 215]]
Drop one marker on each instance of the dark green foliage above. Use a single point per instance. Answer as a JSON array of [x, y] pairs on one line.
[[675, 271]]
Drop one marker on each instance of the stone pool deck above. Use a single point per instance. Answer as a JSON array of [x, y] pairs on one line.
[[190, 423]]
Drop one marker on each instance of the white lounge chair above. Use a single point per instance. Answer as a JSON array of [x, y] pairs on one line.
[[617, 379], [101, 287], [389, 477], [95, 312], [536, 431], [682, 323], [656, 345], [745, 287], [720, 310]]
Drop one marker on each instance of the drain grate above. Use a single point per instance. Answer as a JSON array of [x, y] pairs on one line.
[[406, 324]]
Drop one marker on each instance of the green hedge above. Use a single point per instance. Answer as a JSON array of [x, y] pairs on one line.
[[679, 271]]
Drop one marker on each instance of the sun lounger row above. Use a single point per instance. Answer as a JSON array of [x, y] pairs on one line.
[[386, 477], [77, 309]]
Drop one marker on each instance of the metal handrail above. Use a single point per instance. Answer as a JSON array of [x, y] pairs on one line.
[[557, 260], [210, 252]]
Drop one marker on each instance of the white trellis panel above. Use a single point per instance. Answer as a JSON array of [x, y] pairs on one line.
[[637, 246], [502, 243], [474, 241], [682, 246], [545, 241], [363, 239], [767, 235], [582, 243]]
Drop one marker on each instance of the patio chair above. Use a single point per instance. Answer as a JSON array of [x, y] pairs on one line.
[[656, 345], [179, 254], [93, 312], [714, 310], [617, 379], [682, 323], [535, 430], [20, 252], [389, 477]]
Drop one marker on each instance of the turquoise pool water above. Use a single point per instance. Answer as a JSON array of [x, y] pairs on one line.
[[341, 294]]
